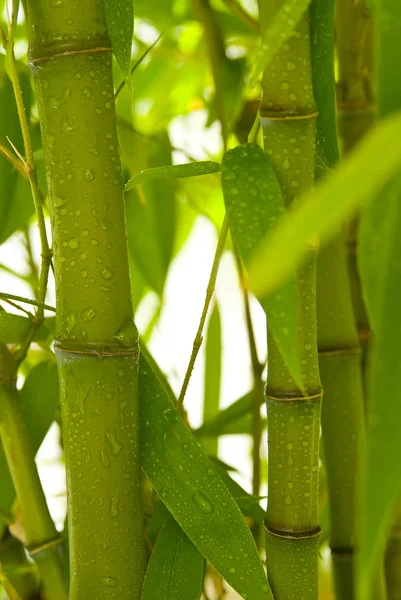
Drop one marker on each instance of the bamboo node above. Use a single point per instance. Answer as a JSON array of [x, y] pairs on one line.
[[344, 552], [292, 397], [34, 61], [96, 350], [286, 115], [43, 546], [294, 535], [341, 351]]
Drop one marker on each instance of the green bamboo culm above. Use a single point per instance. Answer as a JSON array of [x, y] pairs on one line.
[[42, 540], [339, 351], [96, 340], [288, 119]]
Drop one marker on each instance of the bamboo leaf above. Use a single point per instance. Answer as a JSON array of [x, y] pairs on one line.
[[281, 28], [254, 203], [236, 418], [321, 212], [120, 26], [211, 399], [193, 492], [175, 570], [194, 169], [14, 328], [380, 250]]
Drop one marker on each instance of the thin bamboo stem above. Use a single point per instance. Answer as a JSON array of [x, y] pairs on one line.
[[96, 340], [42, 539], [242, 14], [288, 118], [209, 295]]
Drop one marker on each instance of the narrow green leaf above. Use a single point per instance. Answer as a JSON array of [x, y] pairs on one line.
[[194, 169], [39, 399], [14, 329], [254, 203], [175, 570], [380, 251], [280, 29], [120, 26], [151, 223], [211, 401], [235, 418], [321, 212], [190, 487], [387, 15]]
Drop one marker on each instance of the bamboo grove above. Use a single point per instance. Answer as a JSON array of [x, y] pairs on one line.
[[126, 128]]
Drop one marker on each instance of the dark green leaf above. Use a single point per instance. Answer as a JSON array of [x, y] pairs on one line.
[[380, 251], [211, 399], [120, 26], [193, 492], [14, 329], [280, 29], [321, 212], [194, 169], [175, 570], [254, 203], [226, 419], [151, 220], [388, 22]]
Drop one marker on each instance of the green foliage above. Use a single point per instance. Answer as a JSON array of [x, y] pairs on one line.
[[193, 492], [211, 400], [247, 172], [322, 212], [120, 26], [175, 570], [174, 172]]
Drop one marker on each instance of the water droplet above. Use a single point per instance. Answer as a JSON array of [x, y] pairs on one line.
[[107, 273], [315, 468], [115, 500], [89, 175], [127, 335], [94, 242], [231, 569], [286, 164], [67, 127], [71, 321], [84, 273], [73, 243], [290, 65], [116, 447], [58, 201], [292, 419], [105, 224], [88, 314], [288, 500], [104, 458], [120, 373], [290, 445], [109, 581], [285, 86], [87, 93], [290, 485], [202, 502]]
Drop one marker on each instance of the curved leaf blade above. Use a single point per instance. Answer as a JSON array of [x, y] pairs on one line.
[[321, 212], [14, 328], [211, 400], [380, 249], [194, 169], [175, 570], [190, 487], [120, 26], [254, 203]]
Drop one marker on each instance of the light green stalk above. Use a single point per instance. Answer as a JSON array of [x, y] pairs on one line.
[[42, 539], [355, 118], [288, 118], [339, 352], [96, 339]]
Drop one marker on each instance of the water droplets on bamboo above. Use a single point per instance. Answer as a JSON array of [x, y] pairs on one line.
[[202, 502], [127, 335]]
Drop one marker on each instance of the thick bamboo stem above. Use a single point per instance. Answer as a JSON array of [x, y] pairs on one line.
[[339, 352], [96, 338], [288, 118]]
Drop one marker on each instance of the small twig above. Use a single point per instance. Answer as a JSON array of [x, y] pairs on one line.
[[18, 307], [41, 305], [137, 63], [253, 134], [209, 295], [243, 15], [15, 162]]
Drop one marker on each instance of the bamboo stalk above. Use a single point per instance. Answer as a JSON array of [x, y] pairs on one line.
[[339, 351], [96, 339], [288, 119], [42, 539]]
